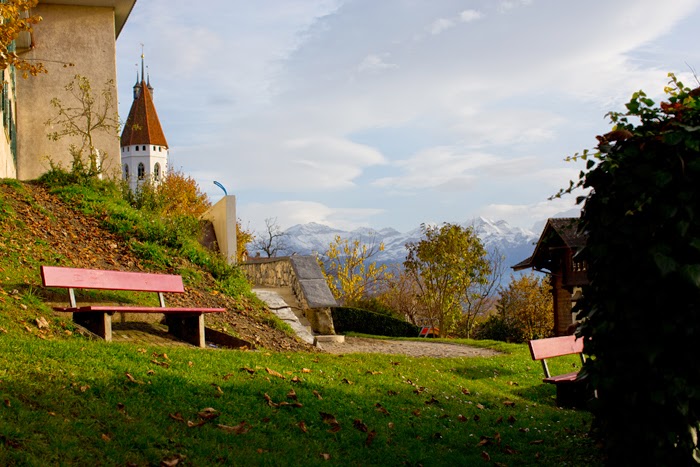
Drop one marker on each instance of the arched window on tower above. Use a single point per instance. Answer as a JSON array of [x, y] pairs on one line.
[[126, 171], [142, 171], [156, 172]]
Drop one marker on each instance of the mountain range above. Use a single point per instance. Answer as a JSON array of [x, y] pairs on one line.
[[514, 243]]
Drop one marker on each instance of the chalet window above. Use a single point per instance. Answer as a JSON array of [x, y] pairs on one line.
[[142, 171]]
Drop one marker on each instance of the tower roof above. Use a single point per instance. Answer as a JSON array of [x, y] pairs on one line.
[[143, 126]]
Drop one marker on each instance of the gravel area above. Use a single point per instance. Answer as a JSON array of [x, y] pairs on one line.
[[409, 348]]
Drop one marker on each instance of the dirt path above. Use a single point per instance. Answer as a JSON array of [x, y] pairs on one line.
[[409, 348]]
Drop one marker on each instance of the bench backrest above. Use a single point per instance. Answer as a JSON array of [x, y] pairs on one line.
[[555, 347], [75, 278]]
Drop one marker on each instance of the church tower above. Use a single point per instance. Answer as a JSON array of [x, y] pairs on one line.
[[144, 150]]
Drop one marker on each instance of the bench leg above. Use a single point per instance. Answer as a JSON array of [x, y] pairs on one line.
[[99, 323], [573, 395], [187, 327]]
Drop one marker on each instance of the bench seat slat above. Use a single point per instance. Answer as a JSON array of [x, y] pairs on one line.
[[139, 309], [566, 378], [53, 276]]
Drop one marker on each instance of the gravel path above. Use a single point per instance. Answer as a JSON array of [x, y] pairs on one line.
[[409, 348]]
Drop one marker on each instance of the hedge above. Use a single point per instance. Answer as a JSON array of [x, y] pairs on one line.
[[346, 319]]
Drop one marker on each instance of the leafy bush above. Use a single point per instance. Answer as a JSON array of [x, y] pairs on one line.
[[642, 308], [376, 305], [496, 328], [346, 319]]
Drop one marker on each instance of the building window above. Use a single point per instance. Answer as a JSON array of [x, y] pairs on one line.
[[142, 171], [126, 171], [156, 172], [137, 148], [144, 148], [160, 149], [154, 148]]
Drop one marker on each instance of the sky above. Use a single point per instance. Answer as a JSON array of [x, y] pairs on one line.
[[392, 113]]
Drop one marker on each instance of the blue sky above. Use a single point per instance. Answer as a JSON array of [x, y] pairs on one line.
[[395, 112]]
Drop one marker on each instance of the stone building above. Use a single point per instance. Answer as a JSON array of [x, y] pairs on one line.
[[78, 32], [555, 255]]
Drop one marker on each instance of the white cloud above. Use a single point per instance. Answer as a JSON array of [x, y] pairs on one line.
[[374, 62], [440, 25], [527, 215], [467, 16]]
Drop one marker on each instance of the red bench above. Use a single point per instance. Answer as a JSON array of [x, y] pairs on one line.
[[428, 331], [571, 392], [184, 323]]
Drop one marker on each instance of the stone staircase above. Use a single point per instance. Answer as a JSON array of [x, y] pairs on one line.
[[283, 303]]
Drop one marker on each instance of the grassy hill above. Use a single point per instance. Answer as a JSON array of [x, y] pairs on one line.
[[68, 400]]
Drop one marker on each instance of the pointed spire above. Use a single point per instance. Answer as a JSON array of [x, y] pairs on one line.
[[143, 75], [137, 85]]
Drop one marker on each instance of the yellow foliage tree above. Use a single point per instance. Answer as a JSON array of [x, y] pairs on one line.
[[526, 306], [177, 194], [15, 19], [348, 269], [243, 238]]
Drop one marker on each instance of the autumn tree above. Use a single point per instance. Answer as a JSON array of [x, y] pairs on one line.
[[349, 269], [243, 238], [399, 292], [445, 264], [525, 308], [272, 240], [177, 194], [87, 114], [481, 295], [15, 19]]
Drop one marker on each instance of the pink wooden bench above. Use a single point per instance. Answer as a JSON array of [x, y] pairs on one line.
[[184, 323], [570, 390], [428, 331]]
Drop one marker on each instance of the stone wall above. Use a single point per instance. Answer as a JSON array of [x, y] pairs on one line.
[[303, 275]]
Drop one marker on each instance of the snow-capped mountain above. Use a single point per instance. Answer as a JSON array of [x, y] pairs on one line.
[[515, 243]]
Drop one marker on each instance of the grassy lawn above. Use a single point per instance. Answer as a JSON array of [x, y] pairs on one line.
[[85, 402]]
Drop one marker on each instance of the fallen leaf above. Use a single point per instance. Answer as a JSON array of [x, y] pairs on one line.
[[497, 438], [239, 429], [84, 388], [295, 379], [509, 450], [227, 376], [537, 441], [317, 394], [292, 394], [305, 370], [328, 418], [511, 419], [432, 401], [141, 350], [106, 438], [347, 381], [476, 418], [381, 409], [357, 423], [499, 420], [480, 406], [392, 393], [485, 456], [41, 322], [390, 425], [208, 413], [176, 416], [249, 370], [325, 456], [373, 373], [416, 412], [334, 429], [150, 372], [170, 462], [370, 437], [191, 424], [485, 440], [466, 391], [302, 427], [462, 418], [269, 401], [132, 379], [274, 373], [190, 363], [509, 403]]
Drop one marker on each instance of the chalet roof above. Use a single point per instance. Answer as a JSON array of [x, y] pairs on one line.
[[558, 232], [142, 125]]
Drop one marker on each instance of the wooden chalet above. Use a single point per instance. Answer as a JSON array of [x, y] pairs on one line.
[[555, 255]]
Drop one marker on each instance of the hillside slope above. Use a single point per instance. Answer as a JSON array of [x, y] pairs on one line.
[[37, 228]]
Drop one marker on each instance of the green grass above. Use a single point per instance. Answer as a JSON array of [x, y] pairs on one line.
[[72, 402], [68, 400]]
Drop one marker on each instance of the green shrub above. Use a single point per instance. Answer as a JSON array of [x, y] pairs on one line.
[[641, 311], [346, 319], [497, 328]]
